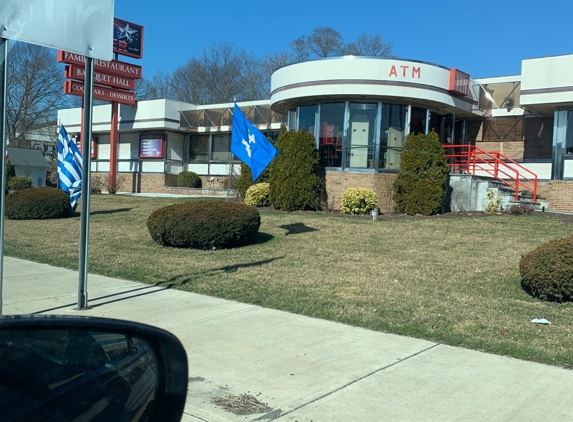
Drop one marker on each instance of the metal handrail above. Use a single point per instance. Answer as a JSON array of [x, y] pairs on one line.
[[471, 158]]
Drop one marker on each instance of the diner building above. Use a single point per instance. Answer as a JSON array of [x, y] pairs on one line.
[[360, 111]]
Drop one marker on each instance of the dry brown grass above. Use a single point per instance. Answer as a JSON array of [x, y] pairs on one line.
[[453, 280]]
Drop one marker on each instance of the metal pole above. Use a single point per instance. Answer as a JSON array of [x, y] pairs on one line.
[[86, 182], [3, 96], [229, 177]]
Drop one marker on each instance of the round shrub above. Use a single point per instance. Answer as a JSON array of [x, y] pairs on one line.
[[204, 224], [38, 204], [20, 183], [258, 195], [188, 179], [358, 201], [547, 272]]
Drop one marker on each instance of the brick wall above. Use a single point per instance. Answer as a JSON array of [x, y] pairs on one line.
[[337, 182], [559, 194], [513, 150], [503, 129], [503, 134]]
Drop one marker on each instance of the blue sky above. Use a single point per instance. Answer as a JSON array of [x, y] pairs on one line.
[[483, 38]]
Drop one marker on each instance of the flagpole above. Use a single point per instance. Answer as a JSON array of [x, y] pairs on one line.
[[230, 159], [86, 171], [3, 102]]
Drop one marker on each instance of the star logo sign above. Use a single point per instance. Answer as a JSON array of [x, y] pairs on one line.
[[126, 32], [247, 145]]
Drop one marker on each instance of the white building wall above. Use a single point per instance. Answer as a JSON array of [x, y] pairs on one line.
[[547, 80]]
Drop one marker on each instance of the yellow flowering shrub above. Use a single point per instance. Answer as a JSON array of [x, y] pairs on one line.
[[358, 201], [257, 195]]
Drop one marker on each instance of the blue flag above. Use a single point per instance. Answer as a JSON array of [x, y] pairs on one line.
[[250, 145], [69, 167]]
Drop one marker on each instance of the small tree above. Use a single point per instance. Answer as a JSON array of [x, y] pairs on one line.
[[421, 184], [295, 182]]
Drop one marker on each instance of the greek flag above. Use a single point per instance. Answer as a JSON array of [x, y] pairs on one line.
[[250, 145], [69, 167]]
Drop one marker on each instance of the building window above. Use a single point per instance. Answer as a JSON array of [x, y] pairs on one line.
[[292, 119], [418, 120], [306, 118], [569, 134], [330, 134], [221, 150], [199, 149], [361, 135], [392, 127]]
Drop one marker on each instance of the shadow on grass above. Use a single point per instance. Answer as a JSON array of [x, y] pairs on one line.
[[103, 212], [297, 228], [180, 279], [263, 238]]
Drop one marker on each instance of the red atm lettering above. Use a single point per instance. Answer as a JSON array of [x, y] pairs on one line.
[[416, 71]]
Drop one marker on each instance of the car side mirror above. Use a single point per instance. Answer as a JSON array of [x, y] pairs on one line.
[[64, 368]]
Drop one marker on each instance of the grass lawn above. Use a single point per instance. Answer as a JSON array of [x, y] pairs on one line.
[[450, 280]]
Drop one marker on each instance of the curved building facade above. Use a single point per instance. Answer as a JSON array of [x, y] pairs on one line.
[[361, 110]]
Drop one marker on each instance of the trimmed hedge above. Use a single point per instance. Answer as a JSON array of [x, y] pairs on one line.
[[188, 179], [38, 204], [295, 182], [421, 184], [258, 195], [547, 272], [204, 224], [20, 183], [358, 201]]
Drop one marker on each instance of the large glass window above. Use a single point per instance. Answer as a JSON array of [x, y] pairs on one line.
[[569, 134], [306, 116], [361, 135], [392, 127], [199, 151], [330, 134], [292, 119], [221, 150], [418, 120]]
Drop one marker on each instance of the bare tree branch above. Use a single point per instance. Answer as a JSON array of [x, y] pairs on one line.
[[35, 82], [325, 42]]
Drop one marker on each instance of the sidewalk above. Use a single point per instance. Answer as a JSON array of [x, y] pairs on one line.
[[305, 369]]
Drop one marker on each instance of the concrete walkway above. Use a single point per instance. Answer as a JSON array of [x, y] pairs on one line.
[[305, 369]]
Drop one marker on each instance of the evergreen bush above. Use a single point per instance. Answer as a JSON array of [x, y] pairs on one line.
[[245, 180], [258, 195], [188, 179], [421, 183], [10, 170], [547, 272], [295, 182], [38, 204], [20, 183], [358, 201], [204, 224]]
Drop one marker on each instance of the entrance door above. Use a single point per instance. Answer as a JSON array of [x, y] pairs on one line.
[[359, 144]]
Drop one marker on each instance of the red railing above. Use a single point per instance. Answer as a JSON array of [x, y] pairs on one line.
[[471, 159]]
